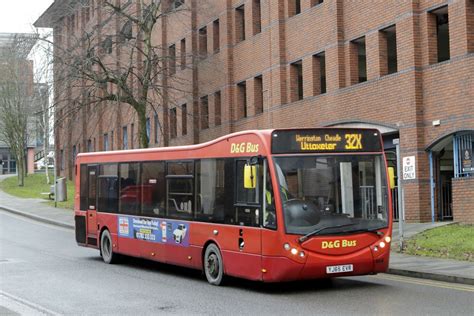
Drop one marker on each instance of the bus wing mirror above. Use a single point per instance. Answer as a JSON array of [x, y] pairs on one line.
[[250, 179], [391, 177]]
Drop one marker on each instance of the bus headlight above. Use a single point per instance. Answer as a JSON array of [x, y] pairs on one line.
[[302, 254], [382, 244], [286, 246], [388, 239], [294, 251]]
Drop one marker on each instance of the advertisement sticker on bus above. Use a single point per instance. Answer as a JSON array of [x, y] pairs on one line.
[[154, 230]]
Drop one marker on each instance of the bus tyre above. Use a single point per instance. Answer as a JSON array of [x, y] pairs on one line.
[[213, 265], [106, 248]]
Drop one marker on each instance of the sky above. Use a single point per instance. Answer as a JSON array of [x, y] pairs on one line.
[[18, 16]]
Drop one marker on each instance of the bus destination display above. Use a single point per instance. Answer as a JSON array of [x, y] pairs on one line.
[[325, 141]]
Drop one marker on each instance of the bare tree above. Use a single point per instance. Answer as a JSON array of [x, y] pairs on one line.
[[16, 83], [43, 111], [115, 61]]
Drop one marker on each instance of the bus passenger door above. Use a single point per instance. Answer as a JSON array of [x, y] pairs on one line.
[[91, 206], [248, 212]]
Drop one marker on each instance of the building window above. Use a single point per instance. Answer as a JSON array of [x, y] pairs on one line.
[[89, 145], [256, 16], [183, 53], [319, 74], [148, 129], [172, 59], [157, 129], [126, 32], [132, 134], [203, 42], [124, 138], [106, 142], [204, 112], [217, 108], [61, 159], [294, 7], [316, 2], [358, 62], [258, 94], [216, 36], [388, 51], [184, 119], [241, 100], [442, 33], [173, 123], [296, 81], [240, 24], [107, 45], [112, 140], [74, 154], [175, 4]]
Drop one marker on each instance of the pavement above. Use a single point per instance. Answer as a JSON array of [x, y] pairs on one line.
[[413, 266]]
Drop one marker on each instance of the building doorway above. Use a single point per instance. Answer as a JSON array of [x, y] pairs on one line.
[[451, 157]]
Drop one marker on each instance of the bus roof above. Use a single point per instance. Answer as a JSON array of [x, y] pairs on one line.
[[265, 136]]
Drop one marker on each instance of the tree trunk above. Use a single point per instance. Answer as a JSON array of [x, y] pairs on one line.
[[20, 171], [142, 134]]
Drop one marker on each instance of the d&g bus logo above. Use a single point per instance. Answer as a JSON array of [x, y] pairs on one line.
[[338, 244], [239, 148]]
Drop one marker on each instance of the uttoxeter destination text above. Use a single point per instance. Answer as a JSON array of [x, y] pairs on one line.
[[317, 146]]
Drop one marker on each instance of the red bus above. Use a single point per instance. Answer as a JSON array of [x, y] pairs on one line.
[[267, 205]]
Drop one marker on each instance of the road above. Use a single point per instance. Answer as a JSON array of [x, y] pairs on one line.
[[42, 271]]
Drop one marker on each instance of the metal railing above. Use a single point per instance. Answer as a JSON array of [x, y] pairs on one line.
[[446, 201]]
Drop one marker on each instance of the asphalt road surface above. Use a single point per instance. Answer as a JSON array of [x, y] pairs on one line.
[[43, 271]]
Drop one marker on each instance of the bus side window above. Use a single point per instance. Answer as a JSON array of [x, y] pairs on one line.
[[244, 195], [108, 188], [210, 191], [247, 200], [153, 188], [269, 214], [92, 187], [130, 188], [180, 189], [83, 190]]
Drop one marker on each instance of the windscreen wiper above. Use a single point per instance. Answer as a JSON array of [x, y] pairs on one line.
[[369, 230], [305, 237]]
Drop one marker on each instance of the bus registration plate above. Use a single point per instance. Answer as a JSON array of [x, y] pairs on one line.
[[339, 269]]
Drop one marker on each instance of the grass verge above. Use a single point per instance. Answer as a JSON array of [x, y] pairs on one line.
[[35, 184], [454, 241]]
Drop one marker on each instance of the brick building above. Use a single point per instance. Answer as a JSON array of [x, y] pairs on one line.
[[14, 49], [405, 67]]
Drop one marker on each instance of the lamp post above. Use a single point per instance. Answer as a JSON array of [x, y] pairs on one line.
[[401, 212]]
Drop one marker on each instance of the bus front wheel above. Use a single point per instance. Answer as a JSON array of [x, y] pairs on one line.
[[213, 265], [106, 248]]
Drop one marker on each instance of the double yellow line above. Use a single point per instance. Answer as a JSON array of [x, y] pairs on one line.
[[439, 284]]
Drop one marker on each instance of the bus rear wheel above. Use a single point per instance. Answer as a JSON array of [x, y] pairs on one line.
[[213, 265], [106, 248]]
